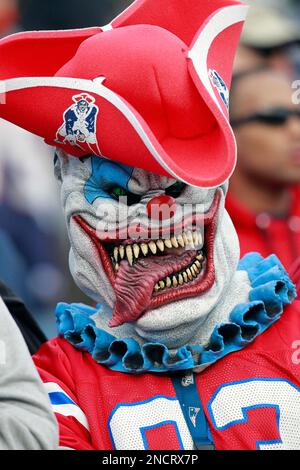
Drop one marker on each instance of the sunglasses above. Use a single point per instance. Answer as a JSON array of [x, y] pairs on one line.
[[271, 117]]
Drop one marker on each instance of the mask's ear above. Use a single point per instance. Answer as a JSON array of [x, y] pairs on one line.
[[180, 17]]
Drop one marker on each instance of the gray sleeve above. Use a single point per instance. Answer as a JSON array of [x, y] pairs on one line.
[[26, 419]]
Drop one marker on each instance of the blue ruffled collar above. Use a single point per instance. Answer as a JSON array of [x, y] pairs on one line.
[[271, 290]]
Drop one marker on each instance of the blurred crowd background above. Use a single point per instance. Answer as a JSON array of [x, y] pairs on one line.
[[264, 194]]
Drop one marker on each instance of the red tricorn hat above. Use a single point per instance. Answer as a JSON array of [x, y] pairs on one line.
[[149, 90]]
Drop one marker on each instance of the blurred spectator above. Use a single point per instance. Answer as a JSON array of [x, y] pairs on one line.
[[27, 421], [271, 37], [264, 195], [30, 226], [9, 16], [31, 332], [247, 58]]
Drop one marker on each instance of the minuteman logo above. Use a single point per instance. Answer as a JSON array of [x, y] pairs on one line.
[[193, 413], [80, 123], [220, 85]]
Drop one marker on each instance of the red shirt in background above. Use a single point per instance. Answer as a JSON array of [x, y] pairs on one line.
[[266, 233]]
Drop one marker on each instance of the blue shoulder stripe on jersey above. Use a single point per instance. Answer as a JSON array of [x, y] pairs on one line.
[[60, 398], [271, 291]]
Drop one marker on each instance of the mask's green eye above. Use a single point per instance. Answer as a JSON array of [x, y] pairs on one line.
[[117, 191], [176, 189]]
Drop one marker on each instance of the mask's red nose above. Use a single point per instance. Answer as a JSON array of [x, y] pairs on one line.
[[161, 207]]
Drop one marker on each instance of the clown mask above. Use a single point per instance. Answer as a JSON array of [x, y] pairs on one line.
[[158, 253]]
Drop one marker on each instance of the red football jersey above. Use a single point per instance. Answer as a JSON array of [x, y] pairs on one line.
[[250, 398], [266, 234]]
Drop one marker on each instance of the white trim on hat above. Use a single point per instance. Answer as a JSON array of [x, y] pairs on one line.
[[107, 27], [218, 22]]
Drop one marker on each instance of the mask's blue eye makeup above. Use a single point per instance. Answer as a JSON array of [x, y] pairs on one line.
[[117, 191], [176, 189]]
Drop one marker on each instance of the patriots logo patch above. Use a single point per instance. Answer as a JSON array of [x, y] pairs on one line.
[[79, 124], [193, 413], [220, 85]]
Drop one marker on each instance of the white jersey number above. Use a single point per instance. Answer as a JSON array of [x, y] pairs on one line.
[[231, 402], [130, 424]]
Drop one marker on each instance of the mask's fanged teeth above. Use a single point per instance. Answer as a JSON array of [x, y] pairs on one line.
[[160, 245], [195, 238], [195, 267], [136, 250], [180, 241], [122, 251], [200, 241], [185, 239], [190, 239], [153, 247], [182, 277], [174, 242], [168, 243], [144, 249], [193, 271], [190, 276], [129, 254], [116, 265]]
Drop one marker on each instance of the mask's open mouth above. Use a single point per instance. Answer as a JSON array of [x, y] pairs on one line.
[[149, 272]]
